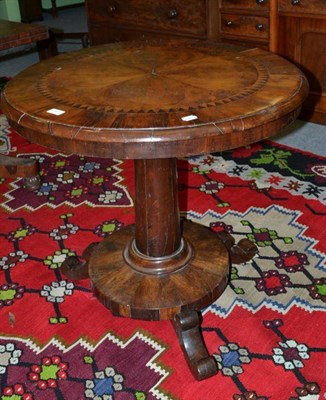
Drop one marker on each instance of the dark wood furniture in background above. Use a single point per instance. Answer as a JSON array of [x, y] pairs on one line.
[[302, 39], [248, 22], [14, 34], [30, 10], [295, 29], [154, 102], [111, 21]]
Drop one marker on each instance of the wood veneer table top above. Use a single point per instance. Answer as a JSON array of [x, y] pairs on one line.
[[133, 100], [13, 34]]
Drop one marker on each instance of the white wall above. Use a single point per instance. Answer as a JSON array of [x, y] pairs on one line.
[[9, 9]]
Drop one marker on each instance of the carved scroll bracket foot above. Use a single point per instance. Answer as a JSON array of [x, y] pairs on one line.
[[187, 327], [32, 183], [76, 268], [240, 252]]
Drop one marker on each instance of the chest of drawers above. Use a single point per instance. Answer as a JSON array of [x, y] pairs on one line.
[[115, 20], [246, 21]]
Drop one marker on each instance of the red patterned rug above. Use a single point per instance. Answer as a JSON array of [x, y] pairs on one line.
[[266, 332]]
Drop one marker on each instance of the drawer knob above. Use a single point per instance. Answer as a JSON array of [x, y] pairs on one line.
[[295, 2], [260, 1], [228, 23], [111, 9], [259, 27], [172, 13]]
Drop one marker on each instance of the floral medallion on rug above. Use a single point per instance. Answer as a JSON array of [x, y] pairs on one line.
[[266, 332]]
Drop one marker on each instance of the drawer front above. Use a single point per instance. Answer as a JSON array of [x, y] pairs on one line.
[[263, 5], [188, 17], [302, 6], [244, 25]]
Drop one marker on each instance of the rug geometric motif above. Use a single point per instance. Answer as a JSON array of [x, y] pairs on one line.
[[66, 179], [82, 371], [297, 360], [287, 271], [269, 167], [21, 256]]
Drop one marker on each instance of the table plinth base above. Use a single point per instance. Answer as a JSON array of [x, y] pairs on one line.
[[155, 296], [177, 295]]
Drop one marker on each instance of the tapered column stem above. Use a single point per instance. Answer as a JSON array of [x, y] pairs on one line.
[[157, 231]]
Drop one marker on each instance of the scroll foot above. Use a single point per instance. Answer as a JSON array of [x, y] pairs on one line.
[[76, 268], [32, 183], [240, 252], [187, 327]]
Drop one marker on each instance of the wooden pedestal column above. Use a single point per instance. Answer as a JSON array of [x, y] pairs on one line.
[[158, 247], [151, 271], [158, 231]]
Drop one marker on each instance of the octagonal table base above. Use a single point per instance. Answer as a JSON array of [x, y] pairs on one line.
[[198, 280]]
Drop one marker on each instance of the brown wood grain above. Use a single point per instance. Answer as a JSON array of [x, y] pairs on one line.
[[13, 34], [111, 21], [130, 293], [245, 26], [253, 5], [177, 16], [128, 100], [158, 231], [316, 7], [303, 41]]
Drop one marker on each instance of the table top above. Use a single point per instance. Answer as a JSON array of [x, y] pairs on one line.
[[13, 34], [154, 99]]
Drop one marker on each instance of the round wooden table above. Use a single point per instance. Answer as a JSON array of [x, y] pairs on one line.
[[154, 102]]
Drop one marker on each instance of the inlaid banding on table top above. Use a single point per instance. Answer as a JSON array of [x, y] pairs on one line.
[[133, 100], [114, 86]]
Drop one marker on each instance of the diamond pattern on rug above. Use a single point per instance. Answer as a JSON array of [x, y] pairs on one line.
[[82, 371], [288, 270], [72, 180], [262, 356]]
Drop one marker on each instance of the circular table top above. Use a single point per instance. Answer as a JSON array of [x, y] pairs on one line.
[[154, 99]]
